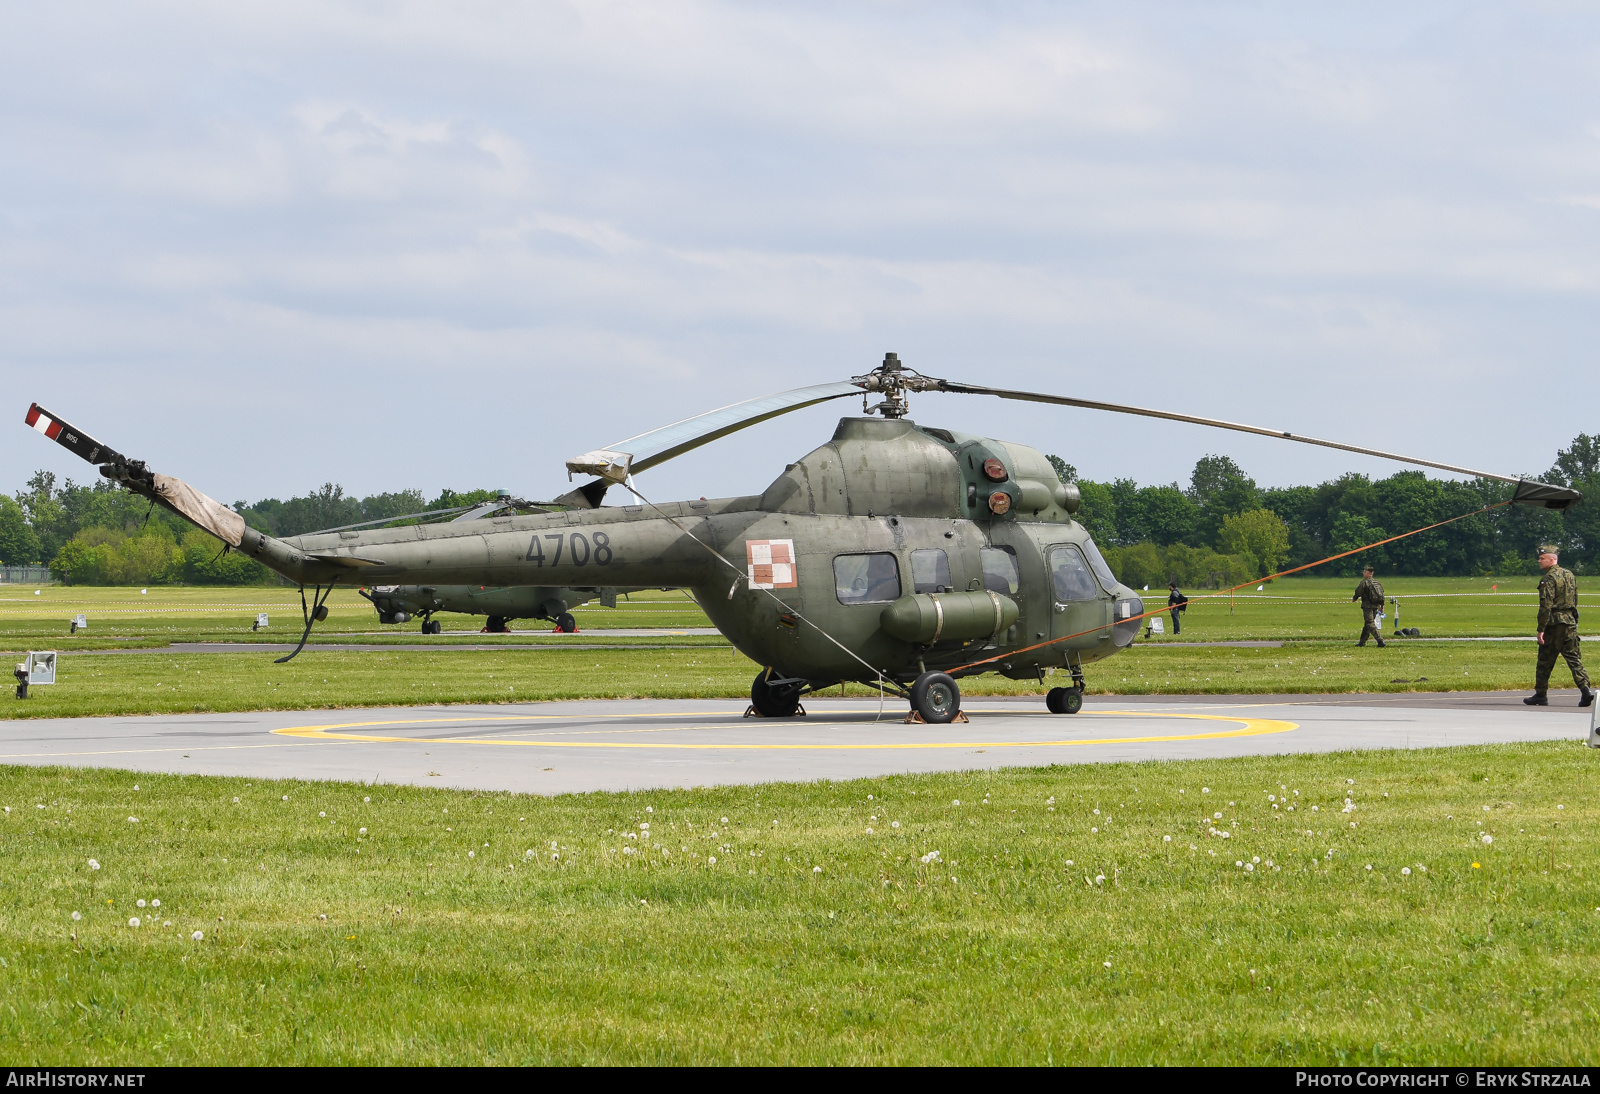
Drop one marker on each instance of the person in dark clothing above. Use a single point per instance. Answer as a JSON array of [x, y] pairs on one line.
[[1177, 603], [1370, 593]]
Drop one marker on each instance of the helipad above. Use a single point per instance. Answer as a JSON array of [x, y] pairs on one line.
[[632, 744]]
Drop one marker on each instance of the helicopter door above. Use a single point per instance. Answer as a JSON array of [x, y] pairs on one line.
[[1079, 602]]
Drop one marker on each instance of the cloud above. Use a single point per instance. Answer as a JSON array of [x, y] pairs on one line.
[[420, 244]]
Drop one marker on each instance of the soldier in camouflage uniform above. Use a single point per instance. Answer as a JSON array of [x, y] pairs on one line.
[[1558, 630], [1370, 593]]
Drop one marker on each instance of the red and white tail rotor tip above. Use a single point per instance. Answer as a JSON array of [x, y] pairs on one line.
[[41, 421]]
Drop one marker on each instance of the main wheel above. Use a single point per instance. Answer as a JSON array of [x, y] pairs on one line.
[[1064, 700], [496, 625], [935, 696], [566, 624], [774, 702]]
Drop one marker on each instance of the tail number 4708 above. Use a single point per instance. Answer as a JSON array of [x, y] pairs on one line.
[[577, 547]]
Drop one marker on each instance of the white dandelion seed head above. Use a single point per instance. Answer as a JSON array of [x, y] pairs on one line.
[[1227, 835], [168, 923], [1486, 809], [235, 801], [1405, 871], [869, 831], [1487, 838], [957, 801], [1099, 879], [1095, 830], [1369, 866], [649, 809], [1255, 858], [323, 917], [1352, 782], [77, 916], [528, 853], [1166, 839], [869, 797], [1105, 964], [816, 869], [724, 820], [472, 854], [1097, 813], [367, 799], [894, 824], [155, 904], [1352, 824], [1238, 862], [1205, 790], [321, 813], [133, 921], [198, 936], [139, 903], [1069, 863], [93, 865], [712, 859], [1250, 866], [132, 820], [1216, 816], [1272, 797], [286, 797]]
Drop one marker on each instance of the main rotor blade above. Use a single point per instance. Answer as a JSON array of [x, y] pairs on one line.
[[1529, 491], [616, 462]]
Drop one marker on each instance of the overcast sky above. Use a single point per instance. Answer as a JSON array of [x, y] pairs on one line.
[[267, 245]]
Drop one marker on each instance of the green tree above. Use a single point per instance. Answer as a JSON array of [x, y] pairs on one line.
[[1259, 535], [18, 544], [1219, 488]]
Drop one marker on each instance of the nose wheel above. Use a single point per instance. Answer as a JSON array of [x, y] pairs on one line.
[[775, 700], [1064, 700]]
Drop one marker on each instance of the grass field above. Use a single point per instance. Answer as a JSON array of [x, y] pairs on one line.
[[1309, 617], [1045, 918]]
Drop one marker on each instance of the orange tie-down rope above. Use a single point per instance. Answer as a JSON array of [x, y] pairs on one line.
[[1225, 592]]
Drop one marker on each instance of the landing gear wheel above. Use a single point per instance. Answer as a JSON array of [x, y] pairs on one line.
[[782, 701], [1064, 700], [936, 698], [430, 626], [496, 625], [566, 624]]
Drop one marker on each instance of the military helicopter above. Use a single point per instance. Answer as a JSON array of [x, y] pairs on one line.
[[901, 556]]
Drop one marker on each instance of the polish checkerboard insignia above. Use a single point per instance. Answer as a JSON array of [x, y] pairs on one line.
[[772, 563]]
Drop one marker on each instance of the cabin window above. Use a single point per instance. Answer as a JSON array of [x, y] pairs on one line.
[[930, 571], [866, 579], [1071, 574], [1098, 564], [1000, 573]]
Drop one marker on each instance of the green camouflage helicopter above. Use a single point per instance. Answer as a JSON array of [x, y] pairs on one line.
[[900, 556]]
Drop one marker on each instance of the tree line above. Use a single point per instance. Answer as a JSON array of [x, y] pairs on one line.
[[1223, 528], [1220, 528]]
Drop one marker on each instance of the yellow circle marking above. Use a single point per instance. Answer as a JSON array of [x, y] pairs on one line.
[[1249, 727]]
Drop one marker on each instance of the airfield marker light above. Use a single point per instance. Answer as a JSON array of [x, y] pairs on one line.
[[999, 503], [995, 470]]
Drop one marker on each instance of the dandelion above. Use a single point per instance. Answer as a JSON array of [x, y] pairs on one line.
[[1487, 838], [1486, 809], [1227, 835], [320, 813], [1099, 879], [93, 865], [168, 923], [931, 856], [235, 801], [957, 801], [1316, 808], [366, 799], [894, 824], [1216, 816], [323, 917], [1560, 807], [133, 921], [363, 832], [286, 797], [1475, 866], [472, 854], [1352, 824], [1256, 858], [1205, 790], [1069, 863], [1095, 830], [1238, 862], [1105, 964], [1250, 866], [816, 869], [1166, 839], [1352, 782], [869, 797], [139, 903], [198, 936], [1097, 813], [649, 809], [869, 831], [133, 820], [1405, 871], [711, 859], [724, 820], [76, 916]]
